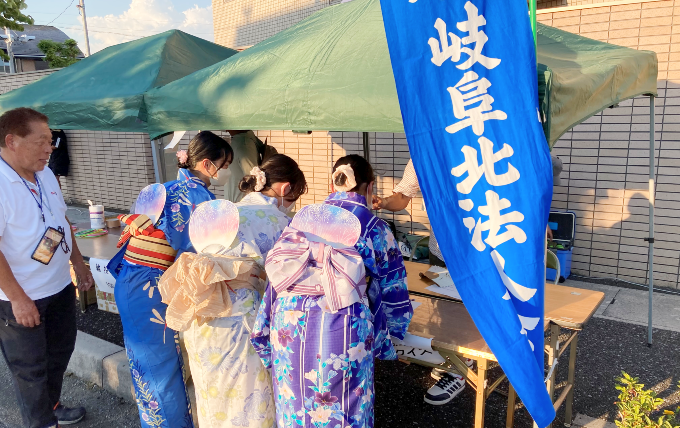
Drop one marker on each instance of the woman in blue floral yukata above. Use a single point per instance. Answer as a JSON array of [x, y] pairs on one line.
[[233, 388], [148, 250], [322, 360]]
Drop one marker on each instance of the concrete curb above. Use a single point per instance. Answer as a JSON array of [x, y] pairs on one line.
[[102, 363], [106, 365]]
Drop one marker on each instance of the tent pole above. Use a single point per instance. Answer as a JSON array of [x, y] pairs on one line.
[[156, 162], [367, 146], [650, 239]]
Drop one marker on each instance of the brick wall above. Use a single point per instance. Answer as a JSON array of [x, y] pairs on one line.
[[107, 167], [606, 159]]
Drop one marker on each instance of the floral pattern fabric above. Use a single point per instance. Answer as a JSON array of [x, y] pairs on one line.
[[182, 197], [322, 362], [153, 350], [260, 226], [156, 363], [233, 388]]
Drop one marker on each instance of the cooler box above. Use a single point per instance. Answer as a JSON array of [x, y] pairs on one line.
[[563, 226]]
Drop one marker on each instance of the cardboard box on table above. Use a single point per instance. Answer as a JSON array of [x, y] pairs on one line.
[[105, 284]]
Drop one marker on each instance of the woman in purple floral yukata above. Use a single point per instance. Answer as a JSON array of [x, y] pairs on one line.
[[322, 360], [153, 349]]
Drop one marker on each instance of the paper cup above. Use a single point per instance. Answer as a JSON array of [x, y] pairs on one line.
[[97, 217]]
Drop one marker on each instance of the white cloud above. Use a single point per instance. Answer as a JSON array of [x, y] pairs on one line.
[[145, 18]]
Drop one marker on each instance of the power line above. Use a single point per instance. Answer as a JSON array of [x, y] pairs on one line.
[[120, 34], [61, 12], [114, 28]]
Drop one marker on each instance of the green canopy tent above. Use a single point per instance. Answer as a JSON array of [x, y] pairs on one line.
[[104, 92], [332, 72]]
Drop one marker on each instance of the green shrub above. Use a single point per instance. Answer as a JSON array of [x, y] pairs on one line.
[[636, 404]]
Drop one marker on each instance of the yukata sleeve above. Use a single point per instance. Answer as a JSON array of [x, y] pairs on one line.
[[393, 285], [259, 336], [174, 220]]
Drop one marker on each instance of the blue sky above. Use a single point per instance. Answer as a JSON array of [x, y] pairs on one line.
[[116, 21]]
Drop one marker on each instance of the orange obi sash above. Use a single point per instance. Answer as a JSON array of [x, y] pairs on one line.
[[148, 245]]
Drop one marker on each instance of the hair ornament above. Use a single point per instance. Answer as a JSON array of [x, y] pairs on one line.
[[182, 156], [260, 177], [350, 183]]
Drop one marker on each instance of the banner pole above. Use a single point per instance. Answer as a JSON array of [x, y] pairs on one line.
[[532, 13]]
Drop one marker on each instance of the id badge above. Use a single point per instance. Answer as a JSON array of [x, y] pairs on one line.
[[48, 245]]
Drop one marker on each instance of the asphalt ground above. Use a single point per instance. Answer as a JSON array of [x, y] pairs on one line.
[[101, 324], [605, 348], [105, 410]]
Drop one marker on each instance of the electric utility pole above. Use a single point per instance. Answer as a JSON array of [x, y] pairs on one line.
[[81, 6], [8, 39]]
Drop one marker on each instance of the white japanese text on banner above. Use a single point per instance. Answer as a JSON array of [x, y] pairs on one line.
[[465, 73]]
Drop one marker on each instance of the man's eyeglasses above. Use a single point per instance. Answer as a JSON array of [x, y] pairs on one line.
[[64, 246]]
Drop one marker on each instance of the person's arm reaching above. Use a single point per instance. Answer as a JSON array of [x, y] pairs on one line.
[[396, 202], [24, 309], [406, 190]]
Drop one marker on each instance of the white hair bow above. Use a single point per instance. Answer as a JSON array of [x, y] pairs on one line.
[[260, 177], [350, 183]]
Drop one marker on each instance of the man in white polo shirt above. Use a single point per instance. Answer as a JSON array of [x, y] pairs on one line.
[[37, 298]]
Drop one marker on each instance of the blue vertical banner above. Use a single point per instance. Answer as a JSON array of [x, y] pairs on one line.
[[466, 78]]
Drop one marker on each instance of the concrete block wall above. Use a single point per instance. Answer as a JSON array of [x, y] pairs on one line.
[[606, 159], [107, 167]]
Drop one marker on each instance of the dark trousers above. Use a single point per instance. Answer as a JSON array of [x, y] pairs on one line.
[[38, 356]]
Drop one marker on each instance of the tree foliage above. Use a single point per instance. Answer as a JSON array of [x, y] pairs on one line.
[[12, 18], [58, 54]]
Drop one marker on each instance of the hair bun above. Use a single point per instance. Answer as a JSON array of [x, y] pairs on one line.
[[247, 184], [182, 159]]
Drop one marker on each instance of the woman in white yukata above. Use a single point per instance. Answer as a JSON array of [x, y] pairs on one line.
[[233, 388]]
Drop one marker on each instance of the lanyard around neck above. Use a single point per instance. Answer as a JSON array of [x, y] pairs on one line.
[[32, 192]]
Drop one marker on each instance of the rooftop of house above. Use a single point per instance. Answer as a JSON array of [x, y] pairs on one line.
[[40, 32]]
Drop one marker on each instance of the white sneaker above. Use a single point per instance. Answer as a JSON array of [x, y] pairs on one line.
[[445, 390], [437, 373]]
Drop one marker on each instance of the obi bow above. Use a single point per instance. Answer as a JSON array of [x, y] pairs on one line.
[[197, 287], [136, 225], [299, 266]]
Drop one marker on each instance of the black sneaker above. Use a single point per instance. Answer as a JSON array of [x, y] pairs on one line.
[[69, 416], [445, 390]]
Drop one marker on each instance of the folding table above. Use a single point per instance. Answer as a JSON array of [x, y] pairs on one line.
[[455, 335]]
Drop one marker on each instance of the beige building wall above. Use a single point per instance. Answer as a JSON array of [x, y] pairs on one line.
[[607, 158], [243, 23], [106, 167]]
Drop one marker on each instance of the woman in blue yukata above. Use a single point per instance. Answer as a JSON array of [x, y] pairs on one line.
[[322, 360], [148, 250], [233, 388]]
